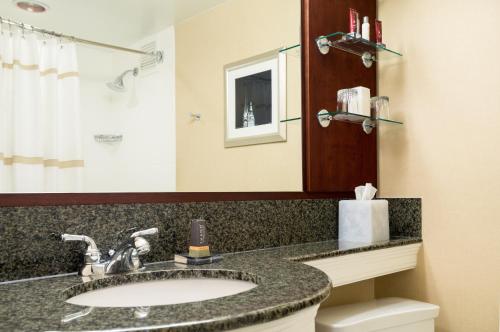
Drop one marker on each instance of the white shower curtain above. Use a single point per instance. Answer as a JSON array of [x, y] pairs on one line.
[[40, 143]]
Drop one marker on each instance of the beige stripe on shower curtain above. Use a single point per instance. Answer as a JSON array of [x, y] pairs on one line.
[[40, 135]]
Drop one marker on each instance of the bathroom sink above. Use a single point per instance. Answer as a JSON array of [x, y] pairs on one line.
[[161, 292]]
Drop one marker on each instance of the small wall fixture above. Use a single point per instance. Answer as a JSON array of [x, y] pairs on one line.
[[104, 138], [195, 116]]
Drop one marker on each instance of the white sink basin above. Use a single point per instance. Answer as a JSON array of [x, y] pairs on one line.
[[162, 292]]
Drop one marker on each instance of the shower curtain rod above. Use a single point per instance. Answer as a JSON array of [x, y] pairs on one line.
[[157, 54]]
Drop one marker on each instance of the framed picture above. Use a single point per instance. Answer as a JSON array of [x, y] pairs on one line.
[[256, 100]]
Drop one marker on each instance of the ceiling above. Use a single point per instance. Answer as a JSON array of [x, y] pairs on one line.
[[110, 21]]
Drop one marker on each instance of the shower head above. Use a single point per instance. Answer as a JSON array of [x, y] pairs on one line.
[[118, 85]]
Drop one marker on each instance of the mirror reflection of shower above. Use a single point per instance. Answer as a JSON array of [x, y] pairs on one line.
[[118, 83]]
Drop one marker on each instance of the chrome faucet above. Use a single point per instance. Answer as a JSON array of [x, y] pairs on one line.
[[126, 257]]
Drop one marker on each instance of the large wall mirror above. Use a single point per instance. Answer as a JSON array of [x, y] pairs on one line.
[[76, 117]]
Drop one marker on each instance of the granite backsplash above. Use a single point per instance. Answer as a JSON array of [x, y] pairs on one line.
[[30, 244]]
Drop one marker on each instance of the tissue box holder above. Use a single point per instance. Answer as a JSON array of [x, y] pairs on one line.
[[364, 221]]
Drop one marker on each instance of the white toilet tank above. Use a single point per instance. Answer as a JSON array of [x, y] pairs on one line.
[[381, 315]]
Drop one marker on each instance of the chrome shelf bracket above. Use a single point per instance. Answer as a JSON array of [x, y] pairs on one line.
[[325, 118], [324, 45]]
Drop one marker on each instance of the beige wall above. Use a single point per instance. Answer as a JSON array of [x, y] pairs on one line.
[[447, 91], [235, 30]]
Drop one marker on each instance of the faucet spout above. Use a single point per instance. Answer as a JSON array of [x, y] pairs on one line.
[[125, 259]]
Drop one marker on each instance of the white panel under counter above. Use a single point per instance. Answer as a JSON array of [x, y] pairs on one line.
[[302, 321], [352, 266]]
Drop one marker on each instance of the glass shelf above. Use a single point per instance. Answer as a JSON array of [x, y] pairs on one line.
[[367, 122], [286, 49], [349, 43], [356, 118], [349, 117], [291, 119], [293, 50], [363, 48]]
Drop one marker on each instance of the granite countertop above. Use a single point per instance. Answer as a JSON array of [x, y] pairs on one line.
[[284, 286]]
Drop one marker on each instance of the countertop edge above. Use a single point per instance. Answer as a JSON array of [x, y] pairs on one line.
[[250, 318], [299, 253], [350, 251]]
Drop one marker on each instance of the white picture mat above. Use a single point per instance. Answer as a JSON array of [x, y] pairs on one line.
[[272, 132], [272, 127]]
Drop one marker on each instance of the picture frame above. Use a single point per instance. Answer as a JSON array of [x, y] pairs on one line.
[[255, 100]]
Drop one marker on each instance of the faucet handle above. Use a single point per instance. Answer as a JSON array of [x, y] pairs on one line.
[[92, 254], [141, 244], [149, 231], [88, 240]]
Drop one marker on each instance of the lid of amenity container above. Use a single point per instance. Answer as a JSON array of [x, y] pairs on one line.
[[374, 315]]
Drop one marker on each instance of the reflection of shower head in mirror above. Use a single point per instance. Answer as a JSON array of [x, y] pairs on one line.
[[118, 85]]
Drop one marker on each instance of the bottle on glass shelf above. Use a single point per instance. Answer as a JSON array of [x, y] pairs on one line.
[[365, 28]]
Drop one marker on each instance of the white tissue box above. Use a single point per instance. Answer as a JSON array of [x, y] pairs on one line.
[[364, 221]]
